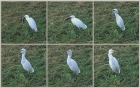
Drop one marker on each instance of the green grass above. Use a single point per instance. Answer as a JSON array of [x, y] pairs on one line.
[[128, 58], [60, 75], [13, 31], [61, 31], [106, 29], [12, 72]]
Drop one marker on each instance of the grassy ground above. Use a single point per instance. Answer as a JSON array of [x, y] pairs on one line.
[[60, 31], [60, 74], [128, 58], [106, 29], [13, 31], [13, 74]]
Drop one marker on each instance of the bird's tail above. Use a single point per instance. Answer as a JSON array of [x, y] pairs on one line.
[[35, 29], [119, 71], [79, 70], [123, 28], [85, 26], [32, 70]]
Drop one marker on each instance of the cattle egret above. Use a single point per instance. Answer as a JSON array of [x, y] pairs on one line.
[[119, 20], [77, 22], [114, 65], [71, 63], [25, 63], [31, 22]]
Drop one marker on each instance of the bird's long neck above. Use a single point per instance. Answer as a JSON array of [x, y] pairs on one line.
[[116, 15], [23, 58], [69, 57], [110, 55], [27, 18]]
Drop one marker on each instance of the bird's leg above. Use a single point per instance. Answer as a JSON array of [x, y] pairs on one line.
[[75, 78], [77, 32], [123, 35], [113, 73], [72, 75], [31, 33], [28, 73], [119, 31], [78, 28], [121, 77]]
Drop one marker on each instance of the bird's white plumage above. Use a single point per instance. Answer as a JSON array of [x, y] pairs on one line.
[[119, 20], [25, 63], [77, 22], [71, 63], [31, 22], [113, 63]]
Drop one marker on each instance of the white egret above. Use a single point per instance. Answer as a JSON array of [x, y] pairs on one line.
[[77, 22], [71, 63], [25, 63], [119, 20], [113, 63], [31, 22]]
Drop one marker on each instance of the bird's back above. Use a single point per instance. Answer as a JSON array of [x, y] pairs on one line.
[[78, 23]]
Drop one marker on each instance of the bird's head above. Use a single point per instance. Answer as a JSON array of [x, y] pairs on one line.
[[25, 17], [111, 51], [69, 52], [72, 16], [115, 11], [23, 51]]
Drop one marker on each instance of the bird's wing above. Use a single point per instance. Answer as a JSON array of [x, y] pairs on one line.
[[115, 62], [32, 24], [28, 65], [121, 22], [75, 66], [79, 23]]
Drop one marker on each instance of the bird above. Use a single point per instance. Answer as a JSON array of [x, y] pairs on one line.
[[113, 63], [25, 63], [77, 22], [31, 22], [119, 20], [71, 63]]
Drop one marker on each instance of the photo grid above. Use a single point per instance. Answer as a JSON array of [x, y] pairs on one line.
[[69, 43]]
